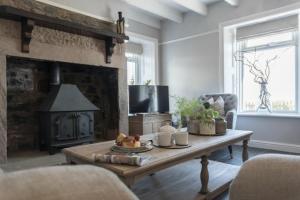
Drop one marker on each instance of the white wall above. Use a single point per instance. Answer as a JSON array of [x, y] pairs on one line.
[[190, 66], [143, 29], [273, 129]]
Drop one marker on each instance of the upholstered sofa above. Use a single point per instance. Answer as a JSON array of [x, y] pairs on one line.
[[63, 183], [268, 177]]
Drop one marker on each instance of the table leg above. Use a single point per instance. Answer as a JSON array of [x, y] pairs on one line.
[[245, 150], [230, 151], [129, 181], [204, 176], [69, 161]]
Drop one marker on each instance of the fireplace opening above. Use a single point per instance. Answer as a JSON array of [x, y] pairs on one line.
[[29, 83]]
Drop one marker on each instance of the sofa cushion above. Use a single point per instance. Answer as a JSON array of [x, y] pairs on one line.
[[230, 100], [217, 105], [64, 183]]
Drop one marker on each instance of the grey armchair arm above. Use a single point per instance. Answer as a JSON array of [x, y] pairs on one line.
[[268, 177], [231, 117]]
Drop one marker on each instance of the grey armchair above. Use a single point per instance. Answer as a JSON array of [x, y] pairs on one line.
[[80, 182], [230, 108]]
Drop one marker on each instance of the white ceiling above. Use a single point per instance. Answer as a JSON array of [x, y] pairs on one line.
[[172, 4], [149, 12], [174, 9]]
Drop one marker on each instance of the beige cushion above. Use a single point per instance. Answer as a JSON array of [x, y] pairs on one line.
[[64, 183], [211, 101], [217, 105], [268, 177]]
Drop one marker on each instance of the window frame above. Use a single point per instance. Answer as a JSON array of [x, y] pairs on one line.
[[241, 47], [135, 59], [140, 38]]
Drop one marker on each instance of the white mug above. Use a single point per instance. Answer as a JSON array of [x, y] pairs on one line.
[[163, 139], [181, 138]]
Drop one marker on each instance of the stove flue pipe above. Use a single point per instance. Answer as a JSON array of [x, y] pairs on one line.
[[55, 74]]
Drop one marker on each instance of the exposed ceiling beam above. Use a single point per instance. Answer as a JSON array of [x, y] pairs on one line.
[[194, 5], [233, 2], [158, 9]]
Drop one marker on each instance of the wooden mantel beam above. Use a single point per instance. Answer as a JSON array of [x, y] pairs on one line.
[[29, 20]]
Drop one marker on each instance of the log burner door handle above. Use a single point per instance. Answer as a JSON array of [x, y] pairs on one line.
[[57, 131], [77, 129]]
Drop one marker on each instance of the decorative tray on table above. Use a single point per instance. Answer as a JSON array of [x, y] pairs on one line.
[[199, 134], [173, 146], [145, 146]]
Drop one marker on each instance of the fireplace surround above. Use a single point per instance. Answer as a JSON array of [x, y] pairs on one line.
[[56, 46], [29, 86]]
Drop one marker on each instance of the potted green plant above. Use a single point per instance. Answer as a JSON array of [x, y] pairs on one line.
[[206, 118], [188, 110]]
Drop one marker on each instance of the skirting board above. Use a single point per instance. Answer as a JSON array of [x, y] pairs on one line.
[[277, 146]]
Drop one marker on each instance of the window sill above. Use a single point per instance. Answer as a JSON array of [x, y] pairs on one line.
[[279, 115]]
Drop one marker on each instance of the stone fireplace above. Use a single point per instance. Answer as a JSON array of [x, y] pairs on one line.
[[29, 84], [83, 63]]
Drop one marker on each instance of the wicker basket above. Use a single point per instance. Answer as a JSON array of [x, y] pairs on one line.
[[221, 126], [207, 128], [193, 126]]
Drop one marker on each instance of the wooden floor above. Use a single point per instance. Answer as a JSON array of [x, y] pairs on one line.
[[182, 182]]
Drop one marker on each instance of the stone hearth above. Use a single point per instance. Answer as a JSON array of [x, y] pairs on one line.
[[53, 45]]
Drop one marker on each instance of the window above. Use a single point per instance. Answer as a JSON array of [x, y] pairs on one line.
[[132, 69], [141, 60], [267, 72]]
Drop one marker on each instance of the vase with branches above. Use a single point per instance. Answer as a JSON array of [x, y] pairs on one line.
[[261, 72]]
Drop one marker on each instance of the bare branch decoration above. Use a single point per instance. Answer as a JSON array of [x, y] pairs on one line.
[[261, 75]]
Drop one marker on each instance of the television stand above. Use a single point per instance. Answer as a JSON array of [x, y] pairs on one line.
[[147, 123]]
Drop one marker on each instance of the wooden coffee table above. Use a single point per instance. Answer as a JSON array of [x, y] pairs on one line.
[[202, 146]]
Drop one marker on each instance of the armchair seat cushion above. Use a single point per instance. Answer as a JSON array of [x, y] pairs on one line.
[[63, 183]]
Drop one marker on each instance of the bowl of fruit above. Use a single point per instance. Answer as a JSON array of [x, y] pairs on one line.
[[130, 144]]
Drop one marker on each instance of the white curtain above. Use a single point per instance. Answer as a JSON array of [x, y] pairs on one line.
[[275, 25], [134, 48], [148, 64]]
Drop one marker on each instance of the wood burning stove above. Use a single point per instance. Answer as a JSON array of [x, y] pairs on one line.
[[66, 116]]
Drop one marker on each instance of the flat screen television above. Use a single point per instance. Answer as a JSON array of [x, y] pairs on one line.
[[148, 99]]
